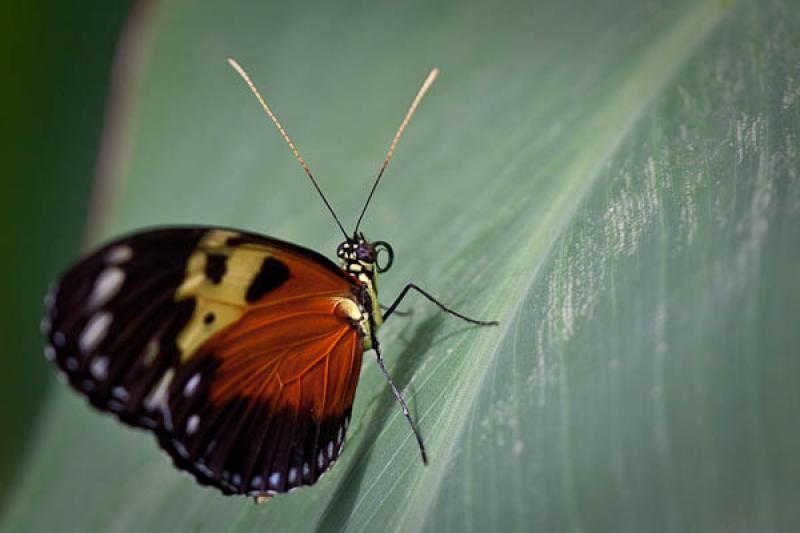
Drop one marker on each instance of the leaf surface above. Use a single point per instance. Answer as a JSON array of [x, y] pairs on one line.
[[617, 184]]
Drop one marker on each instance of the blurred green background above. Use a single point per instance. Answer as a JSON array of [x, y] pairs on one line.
[[56, 64], [618, 183]]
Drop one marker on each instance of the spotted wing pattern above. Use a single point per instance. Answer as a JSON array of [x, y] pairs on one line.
[[242, 353]]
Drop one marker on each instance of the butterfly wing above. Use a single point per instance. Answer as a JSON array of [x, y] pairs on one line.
[[242, 353]]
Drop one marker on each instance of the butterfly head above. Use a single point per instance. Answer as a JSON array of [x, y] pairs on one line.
[[358, 255]]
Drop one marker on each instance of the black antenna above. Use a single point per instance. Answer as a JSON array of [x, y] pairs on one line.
[[422, 90], [238, 68]]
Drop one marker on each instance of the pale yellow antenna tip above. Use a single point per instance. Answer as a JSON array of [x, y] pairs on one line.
[[239, 70], [432, 75]]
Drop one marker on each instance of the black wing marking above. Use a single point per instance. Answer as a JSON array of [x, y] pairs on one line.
[[112, 320], [111, 326]]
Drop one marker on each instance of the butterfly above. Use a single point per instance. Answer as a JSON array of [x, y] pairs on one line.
[[240, 352]]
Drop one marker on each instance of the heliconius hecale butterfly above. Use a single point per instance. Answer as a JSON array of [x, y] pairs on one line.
[[240, 352]]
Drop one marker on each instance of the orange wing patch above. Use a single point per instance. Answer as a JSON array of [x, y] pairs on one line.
[[304, 354], [263, 406]]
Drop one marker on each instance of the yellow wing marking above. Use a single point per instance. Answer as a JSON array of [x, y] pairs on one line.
[[224, 301]]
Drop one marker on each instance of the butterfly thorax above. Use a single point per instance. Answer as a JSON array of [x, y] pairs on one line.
[[359, 258]]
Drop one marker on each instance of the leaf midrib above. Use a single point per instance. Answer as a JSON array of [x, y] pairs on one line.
[[652, 72]]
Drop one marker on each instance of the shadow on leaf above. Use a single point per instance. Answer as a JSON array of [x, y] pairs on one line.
[[383, 406]]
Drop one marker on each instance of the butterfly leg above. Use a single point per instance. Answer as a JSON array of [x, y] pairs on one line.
[[397, 311], [438, 304], [401, 401]]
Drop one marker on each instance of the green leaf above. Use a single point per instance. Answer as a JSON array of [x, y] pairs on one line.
[[51, 110], [617, 183]]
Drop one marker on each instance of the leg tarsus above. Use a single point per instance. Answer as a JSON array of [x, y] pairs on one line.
[[436, 302]]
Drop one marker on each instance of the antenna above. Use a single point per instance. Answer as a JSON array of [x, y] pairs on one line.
[[422, 90], [238, 68]]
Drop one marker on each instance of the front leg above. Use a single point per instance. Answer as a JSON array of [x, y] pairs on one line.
[[397, 312], [438, 303]]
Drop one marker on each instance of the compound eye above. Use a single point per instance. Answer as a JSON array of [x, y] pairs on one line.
[[365, 252]]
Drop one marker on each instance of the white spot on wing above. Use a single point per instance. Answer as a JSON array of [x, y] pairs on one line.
[[203, 469], [99, 367], [256, 481], [306, 469], [157, 399], [340, 435], [293, 475], [192, 424], [180, 448], [44, 325], [321, 459], [274, 479], [330, 450], [51, 296], [59, 339], [120, 392], [106, 286], [49, 353], [191, 385], [72, 364], [119, 254], [94, 332]]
